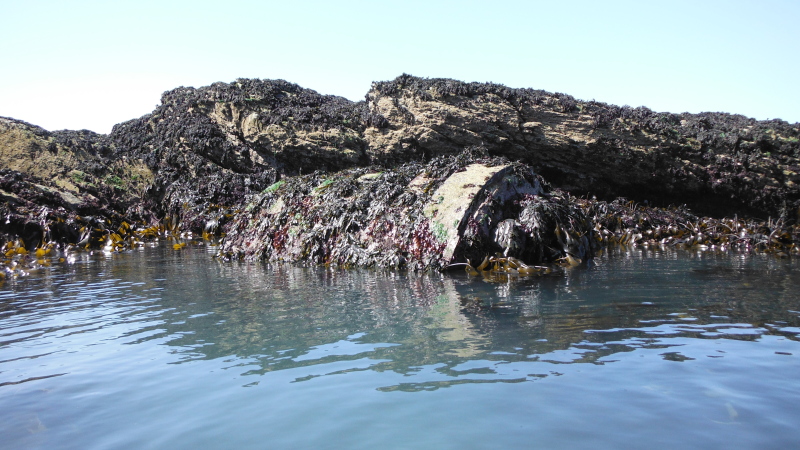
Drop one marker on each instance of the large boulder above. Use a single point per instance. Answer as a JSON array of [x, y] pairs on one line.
[[422, 216]]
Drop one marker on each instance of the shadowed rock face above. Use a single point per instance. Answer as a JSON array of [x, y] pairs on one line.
[[205, 153]]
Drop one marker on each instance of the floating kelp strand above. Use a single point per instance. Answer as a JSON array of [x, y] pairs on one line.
[[18, 262], [500, 268], [570, 261], [90, 233]]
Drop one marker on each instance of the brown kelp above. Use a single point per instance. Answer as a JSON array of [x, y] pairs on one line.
[[502, 268]]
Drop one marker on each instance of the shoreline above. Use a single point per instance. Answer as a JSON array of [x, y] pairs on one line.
[[423, 174]]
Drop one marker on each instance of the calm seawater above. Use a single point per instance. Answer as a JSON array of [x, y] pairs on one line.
[[160, 348]]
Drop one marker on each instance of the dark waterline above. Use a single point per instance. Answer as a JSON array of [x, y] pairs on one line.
[[170, 349]]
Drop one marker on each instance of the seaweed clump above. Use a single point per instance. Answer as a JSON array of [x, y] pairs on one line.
[[627, 223], [366, 217], [372, 217]]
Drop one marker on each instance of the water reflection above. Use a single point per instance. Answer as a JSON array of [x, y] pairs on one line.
[[437, 330]]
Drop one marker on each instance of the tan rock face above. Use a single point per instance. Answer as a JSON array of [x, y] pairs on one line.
[[711, 161], [437, 127], [72, 171], [24, 151], [249, 127], [536, 134]]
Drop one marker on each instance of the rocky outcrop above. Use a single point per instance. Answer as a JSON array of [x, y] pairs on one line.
[[55, 184], [220, 143], [291, 174], [79, 165], [716, 163], [417, 215], [249, 133]]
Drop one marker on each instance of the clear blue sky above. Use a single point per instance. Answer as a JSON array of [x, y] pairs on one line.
[[91, 64]]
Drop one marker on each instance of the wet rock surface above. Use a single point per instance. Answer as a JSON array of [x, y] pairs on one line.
[[421, 216], [54, 184], [424, 173]]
